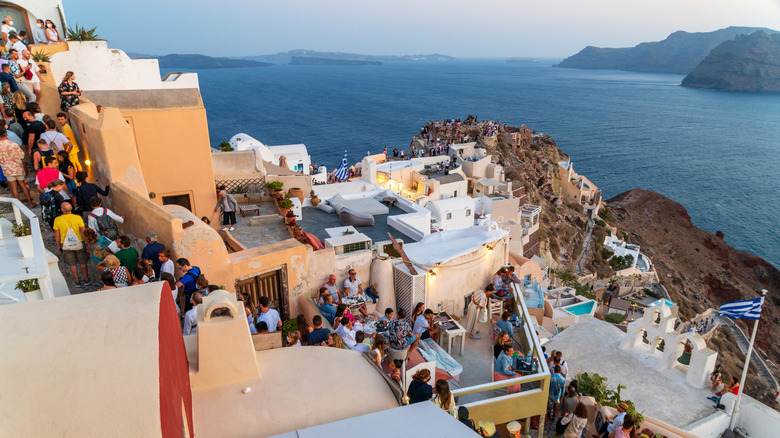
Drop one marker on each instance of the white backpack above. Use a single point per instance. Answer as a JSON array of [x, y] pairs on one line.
[[72, 241]]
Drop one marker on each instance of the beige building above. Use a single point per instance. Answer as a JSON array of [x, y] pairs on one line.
[[578, 188]]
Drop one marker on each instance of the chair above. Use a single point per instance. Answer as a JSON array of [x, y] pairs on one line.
[[496, 308], [399, 354]]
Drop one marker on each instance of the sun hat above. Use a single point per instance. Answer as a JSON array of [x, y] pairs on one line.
[[489, 427]]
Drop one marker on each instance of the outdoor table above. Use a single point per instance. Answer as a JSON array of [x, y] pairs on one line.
[[452, 329], [353, 302], [372, 327], [521, 365], [248, 207]]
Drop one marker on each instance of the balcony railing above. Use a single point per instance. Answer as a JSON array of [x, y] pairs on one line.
[[36, 267]]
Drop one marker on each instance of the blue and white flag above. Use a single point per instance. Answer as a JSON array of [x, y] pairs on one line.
[[341, 172], [748, 309]]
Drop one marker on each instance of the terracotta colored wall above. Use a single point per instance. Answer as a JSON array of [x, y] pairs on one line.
[[173, 149], [175, 391]]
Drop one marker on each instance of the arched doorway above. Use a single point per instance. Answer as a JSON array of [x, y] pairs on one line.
[[20, 18]]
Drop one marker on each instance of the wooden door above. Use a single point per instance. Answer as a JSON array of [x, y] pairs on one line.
[[269, 284]]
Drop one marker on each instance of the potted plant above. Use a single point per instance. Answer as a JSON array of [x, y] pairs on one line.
[[28, 286], [42, 59], [275, 187], [290, 218], [315, 201], [24, 237], [297, 231], [296, 192], [284, 206]]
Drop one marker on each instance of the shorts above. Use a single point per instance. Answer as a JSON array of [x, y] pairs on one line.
[[75, 257], [14, 177], [34, 86]]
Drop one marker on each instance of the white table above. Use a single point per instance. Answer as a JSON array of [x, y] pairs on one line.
[[452, 333]]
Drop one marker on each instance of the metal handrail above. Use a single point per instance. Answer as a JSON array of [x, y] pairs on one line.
[[40, 262]]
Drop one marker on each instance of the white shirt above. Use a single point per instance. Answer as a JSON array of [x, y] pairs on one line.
[[19, 46], [191, 322], [175, 293], [352, 287], [8, 29], [92, 222], [271, 318], [167, 267], [361, 348], [347, 335], [33, 66], [420, 324], [57, 138]]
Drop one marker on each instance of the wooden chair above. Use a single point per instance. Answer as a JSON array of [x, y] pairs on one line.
[[496, 308]]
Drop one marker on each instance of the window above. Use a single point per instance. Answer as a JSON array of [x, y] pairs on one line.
[[449, 216], [183, 200], [468, 212]]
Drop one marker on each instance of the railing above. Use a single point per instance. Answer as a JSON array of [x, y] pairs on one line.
[[40, 265], [523, 404]]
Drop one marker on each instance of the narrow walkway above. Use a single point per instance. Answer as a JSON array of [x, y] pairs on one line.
[[585, 247]]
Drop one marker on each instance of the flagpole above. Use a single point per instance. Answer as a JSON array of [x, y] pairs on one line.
[[735, 409]]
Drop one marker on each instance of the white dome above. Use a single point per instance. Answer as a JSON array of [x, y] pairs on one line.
[[245, 142]]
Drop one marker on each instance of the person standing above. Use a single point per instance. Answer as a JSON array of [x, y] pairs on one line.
[[576, 421], [69, 91], [229, 207], [269, 316], [32, 79], [166, 264], [190, 326], [557, 386], [127, 255], [8, 28], [152, 252], [73, 153], [39, 33], [52, 34], [52, 136], [68, 233], [103, 226], [479, 300], [11, 156]]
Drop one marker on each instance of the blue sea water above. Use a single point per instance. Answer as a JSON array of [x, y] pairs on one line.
[[715, 152]]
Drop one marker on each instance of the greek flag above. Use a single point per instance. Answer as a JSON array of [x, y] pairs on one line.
[[341, 172], [748, 309]]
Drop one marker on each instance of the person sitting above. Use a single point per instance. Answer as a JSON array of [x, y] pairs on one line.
[[335, 341], [327, 309], [504, 325], [503, 369], [347, 332], [395, 370], [108, 281], [498, 283], [626, 429], [319, 335], [304, 328], [400, 333], [716, 379], [262, 327], [419, 390], [501, 340], [511, 276], [444, 398], [388, 315], [378, 347], [333, 289], [360, 347], [111, 264], [424, 326], [138, 276]]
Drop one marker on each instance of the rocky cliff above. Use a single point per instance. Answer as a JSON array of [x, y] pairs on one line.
[[679, 53], [747, 63], [700, 270]]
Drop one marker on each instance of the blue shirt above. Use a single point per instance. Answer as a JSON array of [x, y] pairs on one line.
[[188, 281], [317, 336], [328, 311], [6, 77], [503, 365], [14, 138], [616, 422], [557, 385], [152, 252], [506, 326]]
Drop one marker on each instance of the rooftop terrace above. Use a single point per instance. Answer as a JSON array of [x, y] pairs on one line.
[[264, 228], [315, 221]]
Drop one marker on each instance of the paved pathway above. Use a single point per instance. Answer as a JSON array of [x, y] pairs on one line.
[[743, 341], [585, 247]]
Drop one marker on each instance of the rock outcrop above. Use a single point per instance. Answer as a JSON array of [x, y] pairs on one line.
[[747, 63], [679, 53]]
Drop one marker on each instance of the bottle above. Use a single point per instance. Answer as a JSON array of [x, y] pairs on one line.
[[528, 357], [439, 312]]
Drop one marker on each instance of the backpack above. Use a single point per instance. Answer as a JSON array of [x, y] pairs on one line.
[[194, 285], [106, 226], [48, 208]]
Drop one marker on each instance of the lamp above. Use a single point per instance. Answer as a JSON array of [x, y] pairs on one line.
[[432, 272], [87, 162]]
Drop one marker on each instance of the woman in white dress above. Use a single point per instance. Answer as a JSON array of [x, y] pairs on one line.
[[52, 34]]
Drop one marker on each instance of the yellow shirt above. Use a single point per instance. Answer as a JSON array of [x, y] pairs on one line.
[[68, 133], [68, 221]]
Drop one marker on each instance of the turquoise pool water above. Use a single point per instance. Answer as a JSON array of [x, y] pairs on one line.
[[581, 309]]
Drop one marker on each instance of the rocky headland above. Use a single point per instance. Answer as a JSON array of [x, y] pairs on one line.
[[287, 57], [310, 60], [746, 63], [679, 53], [198, 62]]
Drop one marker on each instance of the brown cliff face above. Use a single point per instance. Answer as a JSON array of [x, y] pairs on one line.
[[700, 270]]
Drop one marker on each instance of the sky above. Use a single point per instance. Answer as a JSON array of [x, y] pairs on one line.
[[463, 29]]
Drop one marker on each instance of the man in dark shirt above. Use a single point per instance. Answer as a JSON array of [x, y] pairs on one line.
[[87, 191], [152, 251], [6, 76], [34, 130], [319, 334]]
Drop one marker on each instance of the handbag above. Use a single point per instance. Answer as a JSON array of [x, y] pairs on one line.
[[28, 74], [560, 428]]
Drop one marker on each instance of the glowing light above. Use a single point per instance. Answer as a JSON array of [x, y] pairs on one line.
[[88, 163]]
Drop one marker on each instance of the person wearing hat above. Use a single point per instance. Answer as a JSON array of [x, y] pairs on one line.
[[487, 429], [617, 422], [515, 429]]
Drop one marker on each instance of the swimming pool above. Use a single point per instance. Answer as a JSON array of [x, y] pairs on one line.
[[585, 308]]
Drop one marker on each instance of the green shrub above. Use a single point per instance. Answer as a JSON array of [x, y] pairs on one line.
[[625, 236], [79, 33], [225, 147], [606, 253], [651, 293], [288, 326], [614, 318], [600, 222], [275, 185]]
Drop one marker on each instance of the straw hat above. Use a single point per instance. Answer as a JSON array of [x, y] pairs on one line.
[[489, 427], [514, 426]]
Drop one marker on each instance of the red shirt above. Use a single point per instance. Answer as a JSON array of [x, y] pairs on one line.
[[735, 389], [47, 175]]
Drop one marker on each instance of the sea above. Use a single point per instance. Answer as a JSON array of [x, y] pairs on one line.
[[715, 152]]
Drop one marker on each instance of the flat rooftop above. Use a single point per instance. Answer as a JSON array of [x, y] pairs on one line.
[[255, 229], [315, 221]]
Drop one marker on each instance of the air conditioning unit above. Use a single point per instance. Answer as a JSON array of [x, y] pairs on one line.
[[385, 248], [409, 289]]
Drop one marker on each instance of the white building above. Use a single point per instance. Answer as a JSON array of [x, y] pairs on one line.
[[453, 213], [296, 156]]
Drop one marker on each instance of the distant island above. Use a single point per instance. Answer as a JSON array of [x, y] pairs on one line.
[[287, 57], [197, 62], [310, 60], [679, 53], [747, 63], [521, 60]]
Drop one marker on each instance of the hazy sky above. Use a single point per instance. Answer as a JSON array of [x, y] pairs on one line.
[[477, 28]]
